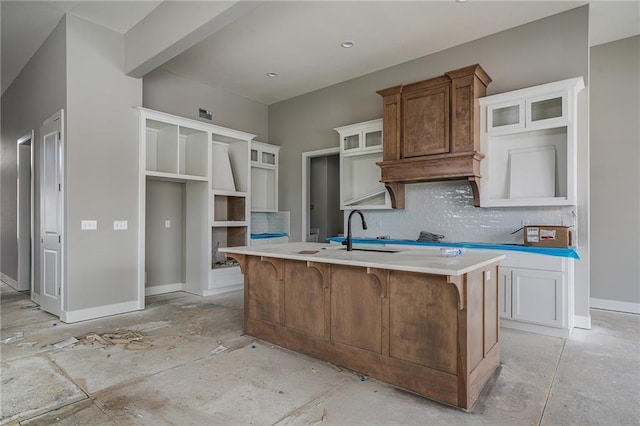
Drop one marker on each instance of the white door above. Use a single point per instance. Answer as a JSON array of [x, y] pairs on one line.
[[51, 214]]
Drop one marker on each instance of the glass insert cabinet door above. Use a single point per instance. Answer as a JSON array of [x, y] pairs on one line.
[[373, 138], [350, 142], [547, 110], [268, 158], [505, 117]]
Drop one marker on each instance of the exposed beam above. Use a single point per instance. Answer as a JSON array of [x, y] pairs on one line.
[[174, 27]]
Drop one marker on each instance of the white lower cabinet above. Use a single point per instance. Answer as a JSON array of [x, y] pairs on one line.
[[536, 294]]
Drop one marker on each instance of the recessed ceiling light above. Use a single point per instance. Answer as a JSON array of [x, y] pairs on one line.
[[272, 74], [461, 1], [347, 44]]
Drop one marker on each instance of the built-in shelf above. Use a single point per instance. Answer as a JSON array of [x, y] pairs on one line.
[[210, 167], [529, 138], [361, 148], [264, 177]]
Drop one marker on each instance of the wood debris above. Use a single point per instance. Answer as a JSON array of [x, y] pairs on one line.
[[118, 337]]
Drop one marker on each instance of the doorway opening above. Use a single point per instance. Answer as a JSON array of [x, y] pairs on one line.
[[321, 214], [25, 205]]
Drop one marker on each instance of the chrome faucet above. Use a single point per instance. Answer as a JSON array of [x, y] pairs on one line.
[[349, 241]]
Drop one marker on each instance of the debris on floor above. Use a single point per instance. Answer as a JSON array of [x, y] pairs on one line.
[[69, 341], [335, 367], [16, 336], [129, 338], [322, 419], [219, 349]]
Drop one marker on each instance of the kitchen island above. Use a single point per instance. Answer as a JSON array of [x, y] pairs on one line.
[[425, 323]]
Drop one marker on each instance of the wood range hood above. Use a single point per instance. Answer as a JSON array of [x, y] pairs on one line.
[[431, 131]]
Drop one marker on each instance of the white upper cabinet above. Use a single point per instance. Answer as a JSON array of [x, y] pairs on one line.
[[529, 138], [360, 150], [360, 137], [264, 177]]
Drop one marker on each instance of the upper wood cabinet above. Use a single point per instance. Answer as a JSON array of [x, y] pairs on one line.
[[431, 131], [425, 119]]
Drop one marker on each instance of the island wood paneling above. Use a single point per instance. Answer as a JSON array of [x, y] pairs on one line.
[[435, 335]]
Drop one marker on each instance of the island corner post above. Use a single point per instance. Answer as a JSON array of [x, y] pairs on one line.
[[435, 335]]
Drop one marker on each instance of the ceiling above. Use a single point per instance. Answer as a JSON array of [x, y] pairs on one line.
[[300, 40]]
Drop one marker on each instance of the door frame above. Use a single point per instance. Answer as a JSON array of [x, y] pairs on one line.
[[306, 184], [25, 268]]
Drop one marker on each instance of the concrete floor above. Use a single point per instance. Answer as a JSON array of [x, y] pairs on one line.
[[172, 377]]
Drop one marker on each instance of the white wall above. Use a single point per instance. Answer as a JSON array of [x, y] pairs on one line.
[[547, 50], [36, 93], [615, 175], [101, 170], [170, 93]]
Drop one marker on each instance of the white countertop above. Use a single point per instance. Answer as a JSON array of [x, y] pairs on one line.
[[411, 260]]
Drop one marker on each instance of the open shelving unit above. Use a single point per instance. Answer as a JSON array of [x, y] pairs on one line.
[[264, 177], [230, 205], [361, 148], [206, 168]]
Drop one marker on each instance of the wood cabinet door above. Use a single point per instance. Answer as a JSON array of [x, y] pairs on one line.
[[263, 292], [356, 308], [423, 320], [425, 116], [304, 307]]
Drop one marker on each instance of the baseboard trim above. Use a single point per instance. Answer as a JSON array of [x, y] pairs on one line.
[[162, 289], [583, 321], [221, 290], [535, 328], [615, 305], [99, 311], [7, 279]]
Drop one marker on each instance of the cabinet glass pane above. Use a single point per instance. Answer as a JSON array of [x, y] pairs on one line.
[[373, 138], [351, 142], [254, 155], [268, 158], [505, 116], [546, 109]]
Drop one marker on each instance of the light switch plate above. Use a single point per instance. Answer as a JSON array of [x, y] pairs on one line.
[[120, 225], [88, 225], [167, 223]]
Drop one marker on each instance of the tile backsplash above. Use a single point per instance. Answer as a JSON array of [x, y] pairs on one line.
[[446, 208]]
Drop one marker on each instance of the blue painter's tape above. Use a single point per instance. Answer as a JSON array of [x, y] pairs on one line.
[[263, 236], [569, 252]]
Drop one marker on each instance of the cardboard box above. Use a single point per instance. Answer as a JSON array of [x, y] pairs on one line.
[[547, 236]]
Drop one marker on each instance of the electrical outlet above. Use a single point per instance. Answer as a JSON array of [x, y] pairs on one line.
[[89, 225], [167, 223], [120, 225]]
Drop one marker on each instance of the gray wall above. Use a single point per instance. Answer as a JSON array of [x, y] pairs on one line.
[[170, 93], [164, 247], [101, 168], [37, 93], [547, 50], [615, 171]]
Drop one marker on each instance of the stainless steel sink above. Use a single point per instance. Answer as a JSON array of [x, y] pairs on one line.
[[376, 249]]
